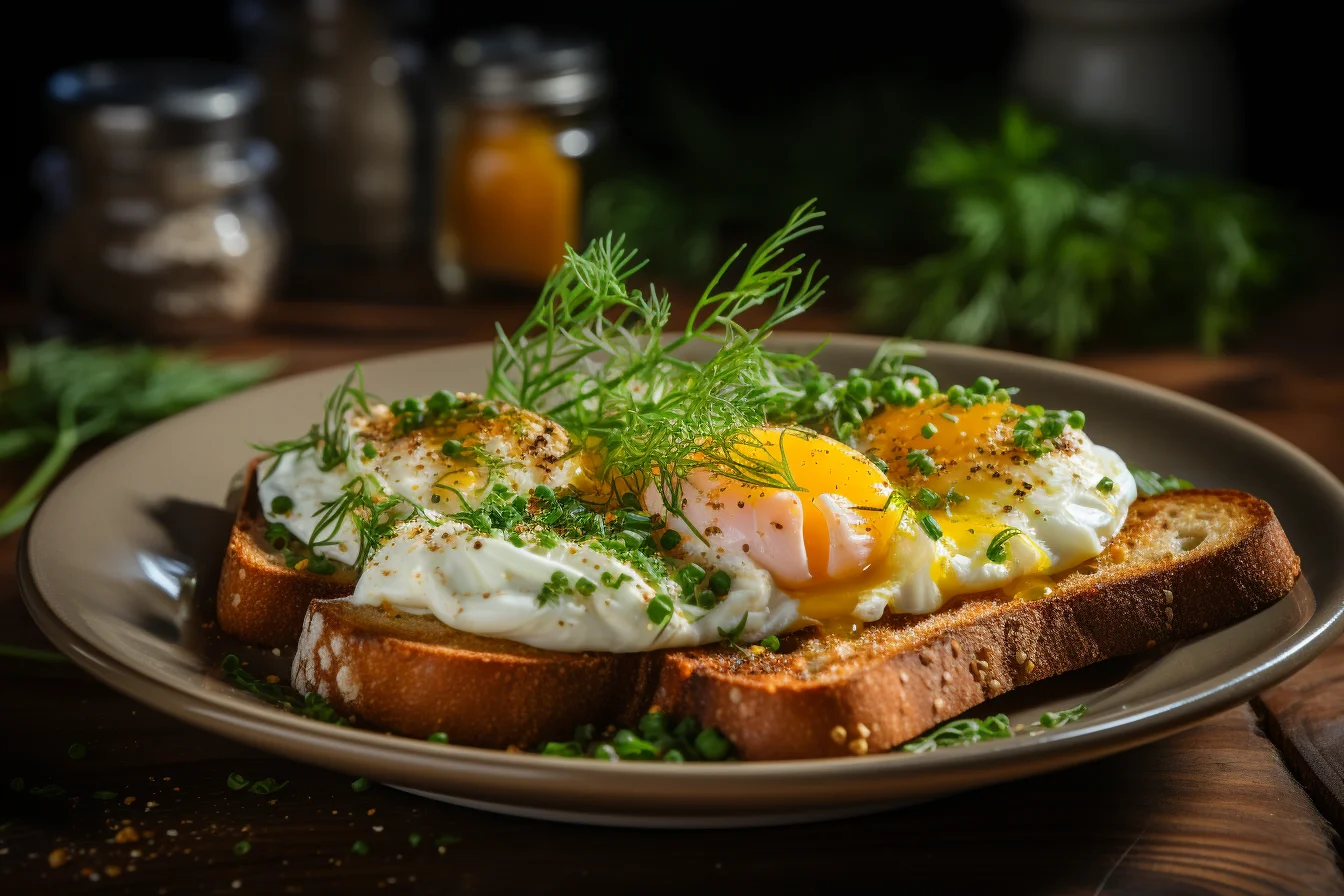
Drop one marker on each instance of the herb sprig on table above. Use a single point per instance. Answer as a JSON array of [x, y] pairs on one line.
[[1053, 241], [55, 397]]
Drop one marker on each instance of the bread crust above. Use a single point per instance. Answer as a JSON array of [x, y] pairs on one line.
[[260, 600], [414, 675], [822, 696]]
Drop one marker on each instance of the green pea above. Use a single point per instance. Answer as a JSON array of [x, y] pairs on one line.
[[441, 402], [452, 447], [712, 745]]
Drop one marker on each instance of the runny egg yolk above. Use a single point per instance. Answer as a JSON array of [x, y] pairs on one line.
[[832, 526], [978, 464]]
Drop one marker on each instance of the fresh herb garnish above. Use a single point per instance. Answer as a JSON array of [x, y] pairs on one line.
[[657, 737], [311, 705], [592, 356], [969, 731], [77, 751], [1150, 483], [732, 634], [55, 397], [237, 781], [267, 786], [1055, 719], [242, 848], [359, 785], [997, 552]]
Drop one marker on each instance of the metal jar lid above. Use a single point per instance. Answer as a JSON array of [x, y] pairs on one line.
[[118, 113], [525, 67]]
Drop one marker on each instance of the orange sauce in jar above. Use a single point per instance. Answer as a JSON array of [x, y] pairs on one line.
[[511, 201]]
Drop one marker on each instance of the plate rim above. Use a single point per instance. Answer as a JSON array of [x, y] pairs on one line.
[[268, 728]]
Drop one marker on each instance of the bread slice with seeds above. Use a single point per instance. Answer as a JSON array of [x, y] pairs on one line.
[[1184, 563]]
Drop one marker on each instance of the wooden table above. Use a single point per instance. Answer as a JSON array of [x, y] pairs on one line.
[[1241, 803]]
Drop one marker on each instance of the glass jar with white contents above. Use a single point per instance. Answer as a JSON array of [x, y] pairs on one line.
[[158, 224]]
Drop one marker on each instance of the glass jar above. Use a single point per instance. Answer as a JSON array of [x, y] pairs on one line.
[[521, 113], [157, 222], [335, 108]]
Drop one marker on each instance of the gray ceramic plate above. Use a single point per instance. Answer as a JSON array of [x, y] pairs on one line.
[[119, 564]]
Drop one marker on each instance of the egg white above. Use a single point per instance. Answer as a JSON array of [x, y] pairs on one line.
[[489, 586], [409, 467]]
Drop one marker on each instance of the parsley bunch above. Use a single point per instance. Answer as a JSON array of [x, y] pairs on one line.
[[55, 397], [1052, 242]]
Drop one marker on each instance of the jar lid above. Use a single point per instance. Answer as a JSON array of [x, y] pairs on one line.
[[111, 108], [522, 66]]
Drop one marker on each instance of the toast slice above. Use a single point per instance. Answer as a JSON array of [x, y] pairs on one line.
[[414, 675], [260, 599], [1185, 562]]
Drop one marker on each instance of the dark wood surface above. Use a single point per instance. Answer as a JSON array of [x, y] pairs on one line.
[[1219, 808]]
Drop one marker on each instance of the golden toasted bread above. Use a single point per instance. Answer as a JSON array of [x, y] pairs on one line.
[[1185, 562], [260, 599]]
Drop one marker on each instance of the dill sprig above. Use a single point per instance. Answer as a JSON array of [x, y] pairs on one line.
[[330, 438], [596, 356]]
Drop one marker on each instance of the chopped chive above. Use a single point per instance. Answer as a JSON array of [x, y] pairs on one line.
[[242, 848], [282, 504], [237, 781], [931, 527], [928, 430], [659, 609], [950, 418], [585, 586], [359, 848], [267, 786], [452, 448], [919, 460], [544, 493], [1077, 419], [414, 839], [369, 451], [359, 785], [720, 582], [447, 840], [77, 751], [104, 794], [770, 643], [16, 784], [1105, 484], [928, 497], [670, 539], [438, 737]]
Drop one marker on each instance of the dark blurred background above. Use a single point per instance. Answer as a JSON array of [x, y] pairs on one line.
[[1166, 157]]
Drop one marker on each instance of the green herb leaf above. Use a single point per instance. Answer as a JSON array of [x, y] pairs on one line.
[[1055, 719], [997, 552], [55, 397], [267, 786], [237, 781], [1150, 483]]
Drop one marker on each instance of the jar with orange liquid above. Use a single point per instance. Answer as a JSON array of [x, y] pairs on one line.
[[518, 121]]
